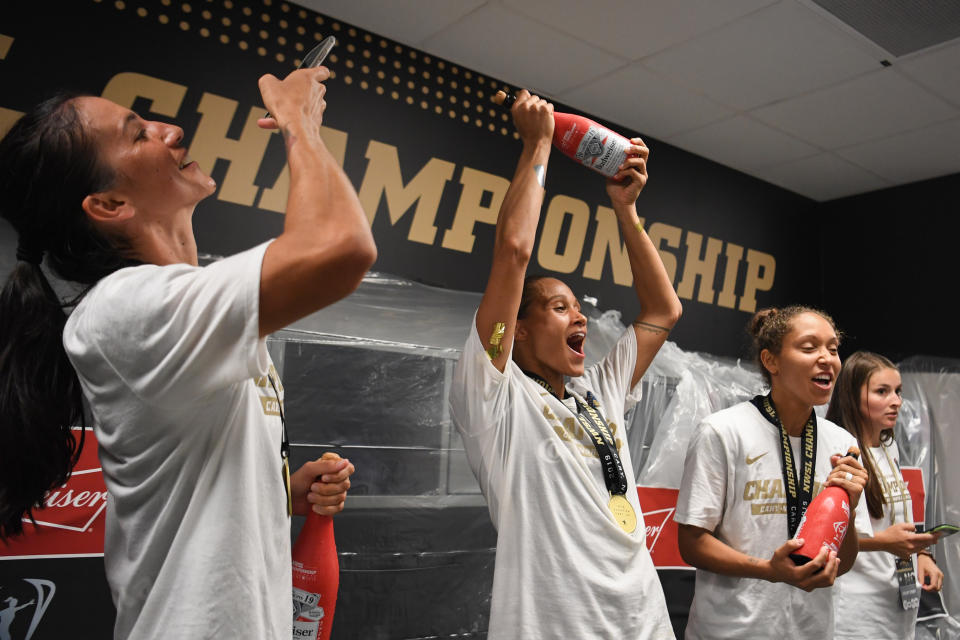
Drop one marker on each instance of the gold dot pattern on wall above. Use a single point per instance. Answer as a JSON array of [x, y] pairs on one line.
[[279, 31]]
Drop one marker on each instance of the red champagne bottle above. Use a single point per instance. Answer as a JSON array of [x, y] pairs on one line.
[[825, 522], [316, 577], [585, 141]]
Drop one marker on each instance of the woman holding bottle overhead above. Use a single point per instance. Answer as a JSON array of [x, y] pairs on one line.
[[550, 453], [169, 357], [870, 601], [750, 472]]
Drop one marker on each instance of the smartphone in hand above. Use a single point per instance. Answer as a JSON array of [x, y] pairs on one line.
[[943, 529]]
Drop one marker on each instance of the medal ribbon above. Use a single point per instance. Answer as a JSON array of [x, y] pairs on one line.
[[593, 423], [284, 450], [798, 497]]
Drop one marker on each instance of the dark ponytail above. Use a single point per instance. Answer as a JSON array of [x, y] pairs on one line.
[[48, 165]]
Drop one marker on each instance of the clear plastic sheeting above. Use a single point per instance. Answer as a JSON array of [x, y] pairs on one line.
[[680, 390], [369, 377], [930, 439]]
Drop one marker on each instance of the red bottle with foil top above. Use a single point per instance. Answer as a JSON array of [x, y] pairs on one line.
[[589, 143], [316, 577], [824, 523]]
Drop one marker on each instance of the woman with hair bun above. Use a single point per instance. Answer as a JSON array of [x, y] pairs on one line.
[[869, 600], [738, 509]]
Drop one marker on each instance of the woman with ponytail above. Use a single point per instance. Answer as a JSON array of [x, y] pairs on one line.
[[870, 603], [47, 165], [168, 358]]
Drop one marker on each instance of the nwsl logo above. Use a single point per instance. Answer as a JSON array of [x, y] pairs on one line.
[[22, 609]]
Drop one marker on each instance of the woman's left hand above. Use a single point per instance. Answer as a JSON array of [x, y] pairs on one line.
[[848, 474], [927, 568], [321, 485], [626, 185]]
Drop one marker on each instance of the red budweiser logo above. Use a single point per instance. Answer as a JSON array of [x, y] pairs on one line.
[[71, 522], [659, 505]]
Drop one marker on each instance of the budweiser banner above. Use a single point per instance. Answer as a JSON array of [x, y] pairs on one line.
[[658, 507], [52, 582], [71, 522]]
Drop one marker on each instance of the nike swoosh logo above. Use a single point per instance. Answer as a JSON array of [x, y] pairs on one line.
[[754, 459]]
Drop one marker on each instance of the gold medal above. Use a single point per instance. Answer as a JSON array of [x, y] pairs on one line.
[[623, 513]]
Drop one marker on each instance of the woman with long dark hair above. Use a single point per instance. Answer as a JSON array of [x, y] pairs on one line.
[[544, 435], [168, 357], [749, 474], [870, 601]]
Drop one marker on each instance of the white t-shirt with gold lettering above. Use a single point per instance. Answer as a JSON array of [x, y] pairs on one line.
[[867, 597], [733, 486], [197, 536], [564, 568]]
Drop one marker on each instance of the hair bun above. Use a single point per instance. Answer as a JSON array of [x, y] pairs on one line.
[[759, 319]]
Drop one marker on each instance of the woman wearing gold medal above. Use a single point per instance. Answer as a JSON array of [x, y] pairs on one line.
[[550, 456], [737, 509], [870, 601]]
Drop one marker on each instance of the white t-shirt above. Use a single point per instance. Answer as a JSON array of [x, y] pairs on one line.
[[867, 598], [197, 536], [564, 568], [733, 486]]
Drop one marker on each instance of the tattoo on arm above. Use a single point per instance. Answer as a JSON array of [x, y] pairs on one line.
[[652, 328]]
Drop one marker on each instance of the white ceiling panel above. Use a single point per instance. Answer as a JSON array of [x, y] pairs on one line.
[[520, 51], [723, 142], [822, 177], [635, 28], [645, 102], [878, 104], [777, 52], [908, 157], [406, 21], [780, 89], [938, 70]]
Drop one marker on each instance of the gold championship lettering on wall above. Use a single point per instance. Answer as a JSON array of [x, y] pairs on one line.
[[409, 77]]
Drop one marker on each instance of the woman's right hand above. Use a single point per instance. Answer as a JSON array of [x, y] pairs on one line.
[[295, 100], [902, 539], [807, 576], [533, 117]]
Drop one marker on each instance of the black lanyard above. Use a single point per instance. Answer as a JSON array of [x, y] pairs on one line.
[[589, 417], [284, 449], [798, 498]]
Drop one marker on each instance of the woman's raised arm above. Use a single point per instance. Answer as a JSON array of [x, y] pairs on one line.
[[326, 246], [516, 227]]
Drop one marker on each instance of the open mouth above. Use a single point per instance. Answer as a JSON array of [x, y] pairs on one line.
[[575, 342], [823, 380], [186, 162]]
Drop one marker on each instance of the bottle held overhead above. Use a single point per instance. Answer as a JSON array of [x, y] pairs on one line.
[[585, 141]]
